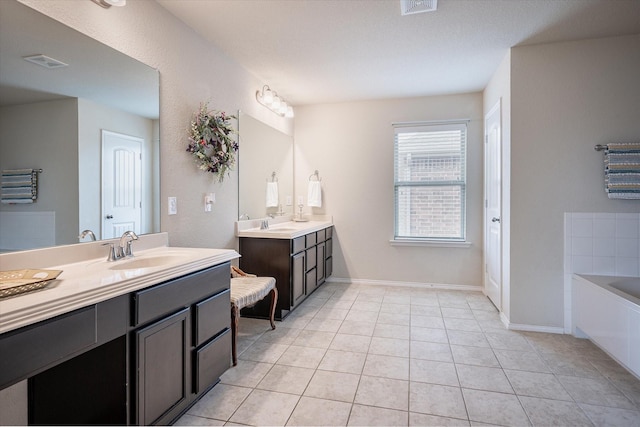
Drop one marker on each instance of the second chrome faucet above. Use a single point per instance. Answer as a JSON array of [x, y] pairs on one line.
[[124, 248]]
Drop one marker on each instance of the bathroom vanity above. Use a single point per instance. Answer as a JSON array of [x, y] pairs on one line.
[[299, 255], [136, 341]]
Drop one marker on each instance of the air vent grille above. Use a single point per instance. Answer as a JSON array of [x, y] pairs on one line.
[[418, 6], [45, 61]]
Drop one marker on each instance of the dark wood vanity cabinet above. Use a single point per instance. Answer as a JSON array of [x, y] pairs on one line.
[[299, 266], [182, 343], [141, 358]]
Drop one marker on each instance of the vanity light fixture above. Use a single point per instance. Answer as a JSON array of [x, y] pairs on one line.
[[273, 102], [108, 3]]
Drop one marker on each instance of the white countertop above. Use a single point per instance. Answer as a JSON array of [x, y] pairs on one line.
[[91, 281], [283, 227]]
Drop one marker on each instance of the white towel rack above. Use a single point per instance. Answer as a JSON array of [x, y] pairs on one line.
[[316, 174]]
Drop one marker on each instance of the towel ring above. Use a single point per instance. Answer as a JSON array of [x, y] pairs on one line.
[[316, 174]]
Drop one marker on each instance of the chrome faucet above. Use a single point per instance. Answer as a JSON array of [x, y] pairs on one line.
[[86, 233], [124, 248], [264, 225]]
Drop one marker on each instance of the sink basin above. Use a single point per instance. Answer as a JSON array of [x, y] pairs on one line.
[[150, 262]]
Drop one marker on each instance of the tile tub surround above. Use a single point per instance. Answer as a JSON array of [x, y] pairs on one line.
[[604, 244], [357, 354], [607, 311]]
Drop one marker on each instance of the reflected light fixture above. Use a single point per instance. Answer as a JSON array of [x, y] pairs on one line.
[[108, 3], [273, 102]]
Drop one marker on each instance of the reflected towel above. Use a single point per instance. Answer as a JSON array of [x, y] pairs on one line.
[[272, 194], [314, 195]]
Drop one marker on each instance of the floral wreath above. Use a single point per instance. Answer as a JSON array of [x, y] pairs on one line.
[[211, 143]]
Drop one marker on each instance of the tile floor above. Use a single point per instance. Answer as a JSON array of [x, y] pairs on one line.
[[375, 355]]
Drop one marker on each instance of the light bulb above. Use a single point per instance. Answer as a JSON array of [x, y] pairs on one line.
[[267, 96], [289, 113], [275, 104], [283, 108]]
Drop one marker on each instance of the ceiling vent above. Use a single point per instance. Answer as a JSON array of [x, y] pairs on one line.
[[45, 61], [409, 7]]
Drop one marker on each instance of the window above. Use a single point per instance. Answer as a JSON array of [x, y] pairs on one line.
[[429, 181]]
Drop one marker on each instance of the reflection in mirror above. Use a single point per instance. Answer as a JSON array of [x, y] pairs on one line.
[[263, 151], [63, 120]]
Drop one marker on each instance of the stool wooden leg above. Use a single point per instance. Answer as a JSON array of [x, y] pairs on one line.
[[235, 314], [274, 300]]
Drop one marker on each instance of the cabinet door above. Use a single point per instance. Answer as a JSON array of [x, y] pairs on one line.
[[163, 365], [320, 263], [298, 273]]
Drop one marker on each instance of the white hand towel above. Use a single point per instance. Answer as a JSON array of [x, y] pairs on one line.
[[272, 194], [314, 195]]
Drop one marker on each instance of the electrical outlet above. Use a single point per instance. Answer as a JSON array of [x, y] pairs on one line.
[[173, 205], [288, 202]]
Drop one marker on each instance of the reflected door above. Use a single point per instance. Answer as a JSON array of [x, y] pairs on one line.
[[121, 184]]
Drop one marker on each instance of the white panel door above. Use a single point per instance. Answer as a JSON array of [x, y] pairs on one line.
[[121, 184], [493, 228]]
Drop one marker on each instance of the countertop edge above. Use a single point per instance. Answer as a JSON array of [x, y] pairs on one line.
[[274, 234], [55, 307]]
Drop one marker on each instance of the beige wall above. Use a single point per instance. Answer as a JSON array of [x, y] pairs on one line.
[[351, 145], [45, 135], [191, 71], [565, 98]]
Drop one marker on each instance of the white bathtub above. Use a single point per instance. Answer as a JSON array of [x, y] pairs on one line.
[[607, 310]]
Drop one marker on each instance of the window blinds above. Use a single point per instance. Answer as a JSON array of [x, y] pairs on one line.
[[430, 181]]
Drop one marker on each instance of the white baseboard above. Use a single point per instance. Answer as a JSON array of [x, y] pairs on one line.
[[530, 328], [405, 284]]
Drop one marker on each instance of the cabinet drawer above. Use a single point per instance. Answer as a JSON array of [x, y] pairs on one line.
[[298, 245], [311, 258], [328, 232], [329, 248], [212, 316], [310, 240], [321, 236], [33, 348], [212, 360], [153, 302]]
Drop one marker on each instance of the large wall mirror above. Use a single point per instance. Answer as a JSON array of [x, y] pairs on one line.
[[72, 122], [265, 157]]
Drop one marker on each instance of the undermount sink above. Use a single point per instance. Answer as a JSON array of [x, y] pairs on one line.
[[149, 262]]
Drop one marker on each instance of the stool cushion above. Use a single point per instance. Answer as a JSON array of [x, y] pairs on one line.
[[247, 290]]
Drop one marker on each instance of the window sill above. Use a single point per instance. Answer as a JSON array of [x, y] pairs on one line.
[[430, 243]]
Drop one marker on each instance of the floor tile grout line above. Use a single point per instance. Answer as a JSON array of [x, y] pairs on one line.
[[534, 349]]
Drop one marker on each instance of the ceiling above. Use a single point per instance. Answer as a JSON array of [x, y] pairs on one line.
[[95, 71], [320, 51]]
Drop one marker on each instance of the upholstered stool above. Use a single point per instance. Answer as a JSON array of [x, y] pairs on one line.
[[246, 290]]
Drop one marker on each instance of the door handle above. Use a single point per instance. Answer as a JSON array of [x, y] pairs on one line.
[[109, 216], [495, 219]]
